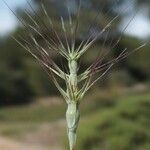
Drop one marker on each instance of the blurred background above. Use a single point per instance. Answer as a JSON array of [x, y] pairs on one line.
[[114, 113]]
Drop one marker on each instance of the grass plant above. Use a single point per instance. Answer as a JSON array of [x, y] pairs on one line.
[[77, 85]]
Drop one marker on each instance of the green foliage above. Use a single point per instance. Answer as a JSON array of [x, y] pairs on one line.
[[14, 87], [30, 114], [123, 127], [141, 65], [17, 120]]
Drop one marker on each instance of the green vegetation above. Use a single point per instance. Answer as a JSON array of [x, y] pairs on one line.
[[107, 123], [125, 126], [31, 113], [15, 120]]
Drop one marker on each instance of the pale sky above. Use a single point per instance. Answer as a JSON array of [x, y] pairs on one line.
[[7, 19], [139, 27]]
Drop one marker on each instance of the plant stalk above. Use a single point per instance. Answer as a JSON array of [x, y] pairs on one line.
[[72, 118]]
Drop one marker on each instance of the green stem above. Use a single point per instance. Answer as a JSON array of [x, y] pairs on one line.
[[72, 118]]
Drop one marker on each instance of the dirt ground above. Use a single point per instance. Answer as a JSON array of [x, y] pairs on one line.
[[47, 137]]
